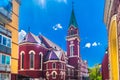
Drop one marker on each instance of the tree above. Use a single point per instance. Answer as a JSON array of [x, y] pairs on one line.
[[95, 72]]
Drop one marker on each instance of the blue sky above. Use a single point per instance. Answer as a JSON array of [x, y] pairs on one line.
[[51, 18]]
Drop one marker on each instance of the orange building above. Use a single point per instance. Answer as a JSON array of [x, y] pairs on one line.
[[9, 15]]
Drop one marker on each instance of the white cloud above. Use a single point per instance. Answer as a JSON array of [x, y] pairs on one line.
[[57, 26], [88, 45], [22, 34], [94, 44]]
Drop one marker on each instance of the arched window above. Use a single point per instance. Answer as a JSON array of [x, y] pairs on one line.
[[41, 60], [47, 75], [54, 73], [22, 61], [53, 65], [22, 57], [61, 74], [71, 50], [71, 32], [32, 55], [46, 66]]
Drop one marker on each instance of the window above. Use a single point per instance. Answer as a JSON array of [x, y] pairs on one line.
[[4, 76], [61, 74], [53, 65], [71, 50], [54, 75], [7, 60], [0, 39], [9, 42], [3, 59], [46, 66], [22, 60], [41, 60], [31, 60], [61, 66], [73, 72], [4, 41], [68, 72], [71, 32]]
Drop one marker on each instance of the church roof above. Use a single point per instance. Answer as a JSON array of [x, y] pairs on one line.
[[31, 38], [51, 56], [73, 20], [54, 55], [49, 43]]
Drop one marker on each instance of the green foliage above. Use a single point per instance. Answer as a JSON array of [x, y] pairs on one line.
[[94, 73]]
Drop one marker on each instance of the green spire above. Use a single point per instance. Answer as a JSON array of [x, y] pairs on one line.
[[73, 19]]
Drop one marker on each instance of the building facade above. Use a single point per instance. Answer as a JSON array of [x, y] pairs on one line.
[[9, 10], [112, 21], [40, 58], [105, 67]]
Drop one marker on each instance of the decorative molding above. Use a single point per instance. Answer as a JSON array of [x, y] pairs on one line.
[[32, 51], [22, 52]]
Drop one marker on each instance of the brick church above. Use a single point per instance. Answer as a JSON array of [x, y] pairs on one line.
[[41, 59]]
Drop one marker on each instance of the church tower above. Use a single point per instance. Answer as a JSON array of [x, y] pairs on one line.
[[73, 42]]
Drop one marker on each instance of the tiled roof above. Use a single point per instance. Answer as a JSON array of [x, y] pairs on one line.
[[54, 55], [31, 38], [51, 56], [73, 20], [49, 43]]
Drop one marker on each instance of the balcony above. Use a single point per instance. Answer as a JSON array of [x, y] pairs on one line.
[[5, 31], [5, 68], [6, 13]]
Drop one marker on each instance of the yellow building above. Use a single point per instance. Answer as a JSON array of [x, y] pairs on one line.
[[112, 22], [9, 16]]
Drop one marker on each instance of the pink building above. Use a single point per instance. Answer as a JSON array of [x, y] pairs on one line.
[[40, 58]]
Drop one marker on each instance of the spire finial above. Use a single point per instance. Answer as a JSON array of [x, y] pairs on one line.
[[72, 5]]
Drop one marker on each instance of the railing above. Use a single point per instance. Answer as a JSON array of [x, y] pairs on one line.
[[5, 67], [6, 13], [5, 31]]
